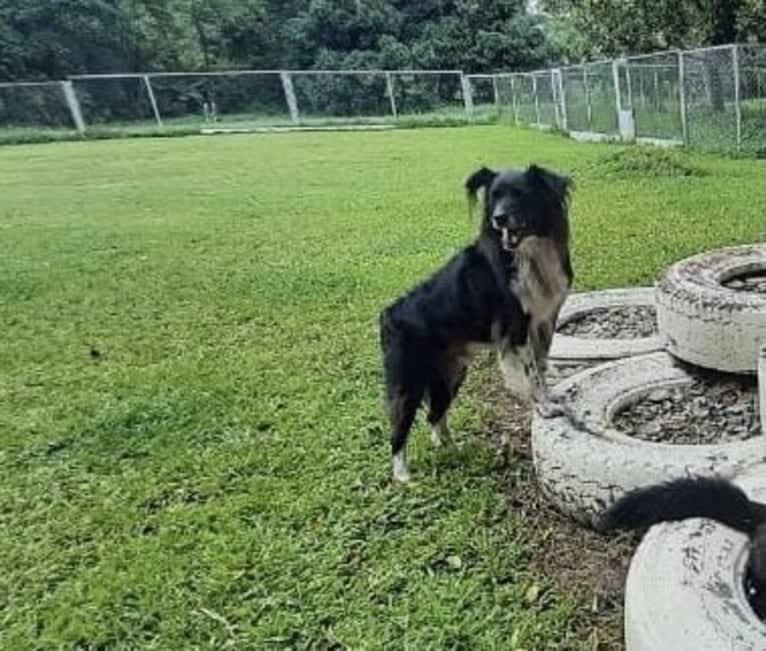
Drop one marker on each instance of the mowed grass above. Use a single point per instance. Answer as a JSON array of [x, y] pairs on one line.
[[192, 449]]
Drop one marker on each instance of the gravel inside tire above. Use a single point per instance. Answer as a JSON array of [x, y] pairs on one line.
[[606, 324], [628, 322], [712, 408]]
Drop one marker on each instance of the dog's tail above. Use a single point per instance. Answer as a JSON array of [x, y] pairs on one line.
[[699, 497]]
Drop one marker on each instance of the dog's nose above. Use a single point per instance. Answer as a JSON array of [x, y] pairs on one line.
[[501, 219]]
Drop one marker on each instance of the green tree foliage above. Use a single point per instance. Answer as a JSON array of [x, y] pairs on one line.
[[613, 27], [43, 39]]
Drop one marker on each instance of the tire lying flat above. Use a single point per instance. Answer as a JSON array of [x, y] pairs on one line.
[[582, 472], [574, 348]]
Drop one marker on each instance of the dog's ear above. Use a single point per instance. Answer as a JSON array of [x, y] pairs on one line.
[[481, 178], [559, 185]]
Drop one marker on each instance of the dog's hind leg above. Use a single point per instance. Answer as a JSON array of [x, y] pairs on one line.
[[402, 407], [404, 388], [441, 392], [439, 400]]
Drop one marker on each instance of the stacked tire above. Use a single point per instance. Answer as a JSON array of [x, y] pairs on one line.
[[685, 589]]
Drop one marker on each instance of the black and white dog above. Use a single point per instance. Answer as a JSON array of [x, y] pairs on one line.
[[504, 290]]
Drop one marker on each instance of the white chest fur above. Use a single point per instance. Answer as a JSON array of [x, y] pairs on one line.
[[540, 283]]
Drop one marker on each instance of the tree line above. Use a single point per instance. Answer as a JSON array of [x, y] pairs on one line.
[[49, 39]]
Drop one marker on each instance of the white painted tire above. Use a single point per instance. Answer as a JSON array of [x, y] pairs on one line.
[[568, 347], [685, 586], [582, 472], [762, 386], [703, 322]]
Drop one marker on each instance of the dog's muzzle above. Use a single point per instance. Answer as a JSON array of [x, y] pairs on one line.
[[511, 234]]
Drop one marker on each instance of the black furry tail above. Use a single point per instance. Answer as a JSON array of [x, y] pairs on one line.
[[700, 497]]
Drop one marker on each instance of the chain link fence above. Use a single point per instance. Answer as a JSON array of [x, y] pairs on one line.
[[710, 98], [653, 85], [242, 100], [752, 95]]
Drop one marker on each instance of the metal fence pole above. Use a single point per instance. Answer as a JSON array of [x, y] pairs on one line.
[[537, 103], [737, 103], [514, 103], [554, 94], [616, 83], [74, 105], [682, 97], [588, 109], [152, 100], [496, 91], [562, 100], [390, 92], [465, 84], [290, 98]]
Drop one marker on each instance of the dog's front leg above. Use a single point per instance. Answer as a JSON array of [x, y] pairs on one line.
[[517, 362], [542, 337]]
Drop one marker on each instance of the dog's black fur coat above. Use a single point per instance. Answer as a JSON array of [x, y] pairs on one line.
[[474, 299], [698, 497]]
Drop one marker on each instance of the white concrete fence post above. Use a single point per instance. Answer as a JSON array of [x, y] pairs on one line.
[[74, 105], [390, 93], [152, 100], [465, 85], [737, 94], [290, 98]]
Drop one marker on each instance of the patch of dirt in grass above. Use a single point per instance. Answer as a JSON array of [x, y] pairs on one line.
[[577, 560]]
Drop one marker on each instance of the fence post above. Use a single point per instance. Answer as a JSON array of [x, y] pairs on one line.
[[513, 101], [657, 102], [390, 92], [737, 91], [682, 97], [465, 84], [555, 96], [626, 121], [496, 91], [74, 105], [537, 103], [292, 101], [557, 81], [616, 82], [152, 100], [588, 109]]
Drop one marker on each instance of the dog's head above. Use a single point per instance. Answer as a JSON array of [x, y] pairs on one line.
[[521, 203]]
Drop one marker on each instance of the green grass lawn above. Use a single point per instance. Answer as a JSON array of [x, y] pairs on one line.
[[193, 453]]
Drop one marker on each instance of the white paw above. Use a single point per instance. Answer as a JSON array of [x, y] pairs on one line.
[[440, 436], [402, 476], [400, 470]]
